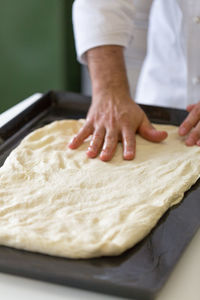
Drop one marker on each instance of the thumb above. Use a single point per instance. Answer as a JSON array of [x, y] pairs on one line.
[[148, 132]]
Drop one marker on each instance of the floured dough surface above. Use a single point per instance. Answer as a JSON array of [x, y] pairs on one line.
[[57, 201]]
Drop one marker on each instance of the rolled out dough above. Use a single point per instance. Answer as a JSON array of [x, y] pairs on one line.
[[57, 201]]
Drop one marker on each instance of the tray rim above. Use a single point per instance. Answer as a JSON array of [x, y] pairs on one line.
[[53, 102]]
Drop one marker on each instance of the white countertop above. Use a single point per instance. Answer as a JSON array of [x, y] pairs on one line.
[[183, 283]]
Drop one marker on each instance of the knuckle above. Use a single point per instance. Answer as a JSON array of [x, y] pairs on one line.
[[97, 136], [94, 144], [129, 138], [86, 130], [81, 131], [89, 120], [88, 125], [129, 146], [76, 138], [111, 138], [124, 115], [126, 123]]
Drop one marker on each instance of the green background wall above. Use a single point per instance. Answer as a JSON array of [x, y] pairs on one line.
[[37, 49]]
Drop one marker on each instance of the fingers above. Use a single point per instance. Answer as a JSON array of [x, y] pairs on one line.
[[129, 143], [191, 125], [191, 120], [194, 136], [148, 132], [96, 143], [81, 136], [190, 107], [110, 144]]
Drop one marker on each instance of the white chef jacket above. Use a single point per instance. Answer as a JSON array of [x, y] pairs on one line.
[[168, 72]]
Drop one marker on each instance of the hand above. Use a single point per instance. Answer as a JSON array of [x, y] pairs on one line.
[[191, 125], [113, 116], [110, 121]]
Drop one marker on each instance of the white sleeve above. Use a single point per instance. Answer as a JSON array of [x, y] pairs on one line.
[[102, 22]]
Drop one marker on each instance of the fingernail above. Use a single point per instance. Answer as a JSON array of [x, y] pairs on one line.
[[70, 143], [91, 151], [129, 155], [105, 158]]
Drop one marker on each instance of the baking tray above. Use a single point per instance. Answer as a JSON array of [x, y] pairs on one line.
[[140, 272]]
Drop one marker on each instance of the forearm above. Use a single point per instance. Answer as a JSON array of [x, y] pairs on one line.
[[107, 70]]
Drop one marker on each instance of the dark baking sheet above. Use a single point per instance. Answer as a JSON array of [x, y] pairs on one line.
[[140, 272]]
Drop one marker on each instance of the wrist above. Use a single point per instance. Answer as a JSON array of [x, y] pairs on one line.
[[110, 80], [110, 92]]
